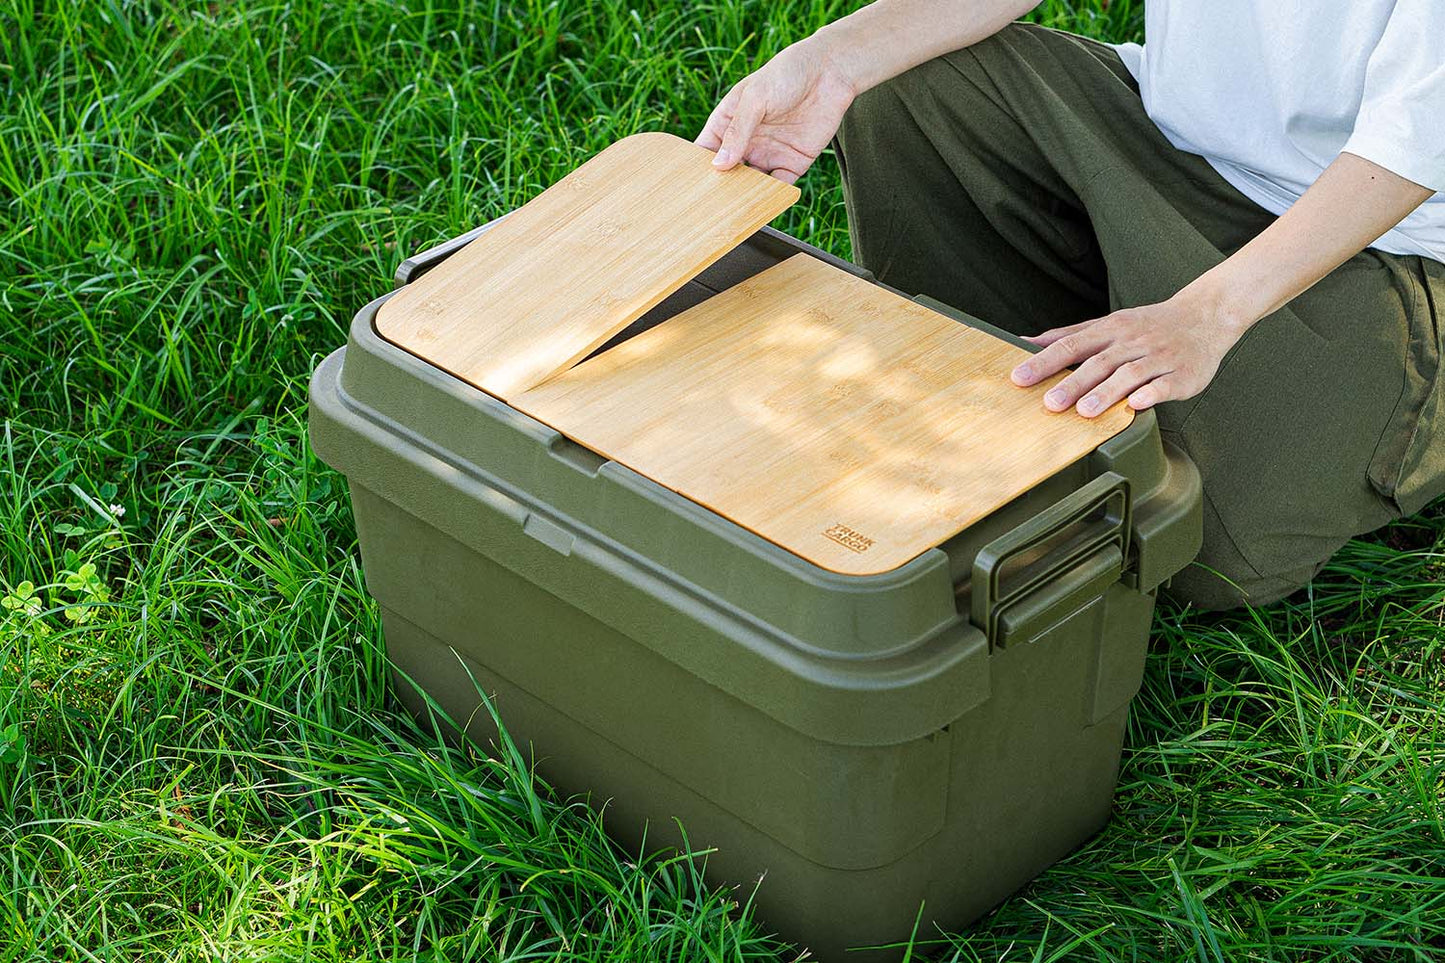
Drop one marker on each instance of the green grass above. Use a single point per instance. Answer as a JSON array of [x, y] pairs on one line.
[[199, 757]]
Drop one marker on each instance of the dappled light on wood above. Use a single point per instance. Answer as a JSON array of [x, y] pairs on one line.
[[805, 402]]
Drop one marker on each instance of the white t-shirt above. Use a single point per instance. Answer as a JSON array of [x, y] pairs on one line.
[[1270, 92]]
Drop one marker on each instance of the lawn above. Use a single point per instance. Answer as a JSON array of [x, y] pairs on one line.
[[199, 755]]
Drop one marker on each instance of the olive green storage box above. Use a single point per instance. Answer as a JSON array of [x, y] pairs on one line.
[[934, 735]]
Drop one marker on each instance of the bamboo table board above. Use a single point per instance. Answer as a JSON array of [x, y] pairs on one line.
[[555, 280], [845, 423]]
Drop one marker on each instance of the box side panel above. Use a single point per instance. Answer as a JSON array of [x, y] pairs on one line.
[[1028, 780], [843, 807]]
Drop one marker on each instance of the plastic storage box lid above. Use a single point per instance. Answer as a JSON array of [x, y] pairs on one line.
[[827, 414]]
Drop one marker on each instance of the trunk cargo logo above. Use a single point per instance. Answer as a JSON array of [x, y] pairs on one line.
[[849, 538]]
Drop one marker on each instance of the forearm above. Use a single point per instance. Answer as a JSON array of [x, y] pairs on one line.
[[887, 37], [1349, 206], [1169, 351]]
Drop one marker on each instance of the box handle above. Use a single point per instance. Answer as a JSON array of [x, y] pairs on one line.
[[1108, 495]]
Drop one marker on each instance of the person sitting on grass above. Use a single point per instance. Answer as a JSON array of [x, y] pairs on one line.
[[1232, 225]]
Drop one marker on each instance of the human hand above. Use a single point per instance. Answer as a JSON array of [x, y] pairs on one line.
[[781, 116], [1149, 354]]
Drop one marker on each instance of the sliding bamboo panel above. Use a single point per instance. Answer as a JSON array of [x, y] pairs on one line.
[[554, 280], [841, 421]]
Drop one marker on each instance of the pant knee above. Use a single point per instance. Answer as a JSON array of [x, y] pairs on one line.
[[1221, 578], [1204, 587], [887, 111], [900, 147]]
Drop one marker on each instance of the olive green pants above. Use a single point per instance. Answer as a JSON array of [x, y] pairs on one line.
[[1021, 181]]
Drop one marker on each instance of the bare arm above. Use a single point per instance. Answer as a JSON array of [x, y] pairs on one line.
[[1353, 202], [781, 116], [887, 37], [1171, 350]]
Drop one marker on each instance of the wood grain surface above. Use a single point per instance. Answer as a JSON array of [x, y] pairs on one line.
[[539, 291], [840, 421]]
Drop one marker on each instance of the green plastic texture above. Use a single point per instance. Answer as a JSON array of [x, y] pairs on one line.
[[868, 743]]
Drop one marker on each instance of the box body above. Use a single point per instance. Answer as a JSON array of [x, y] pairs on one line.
[[936, 734]]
